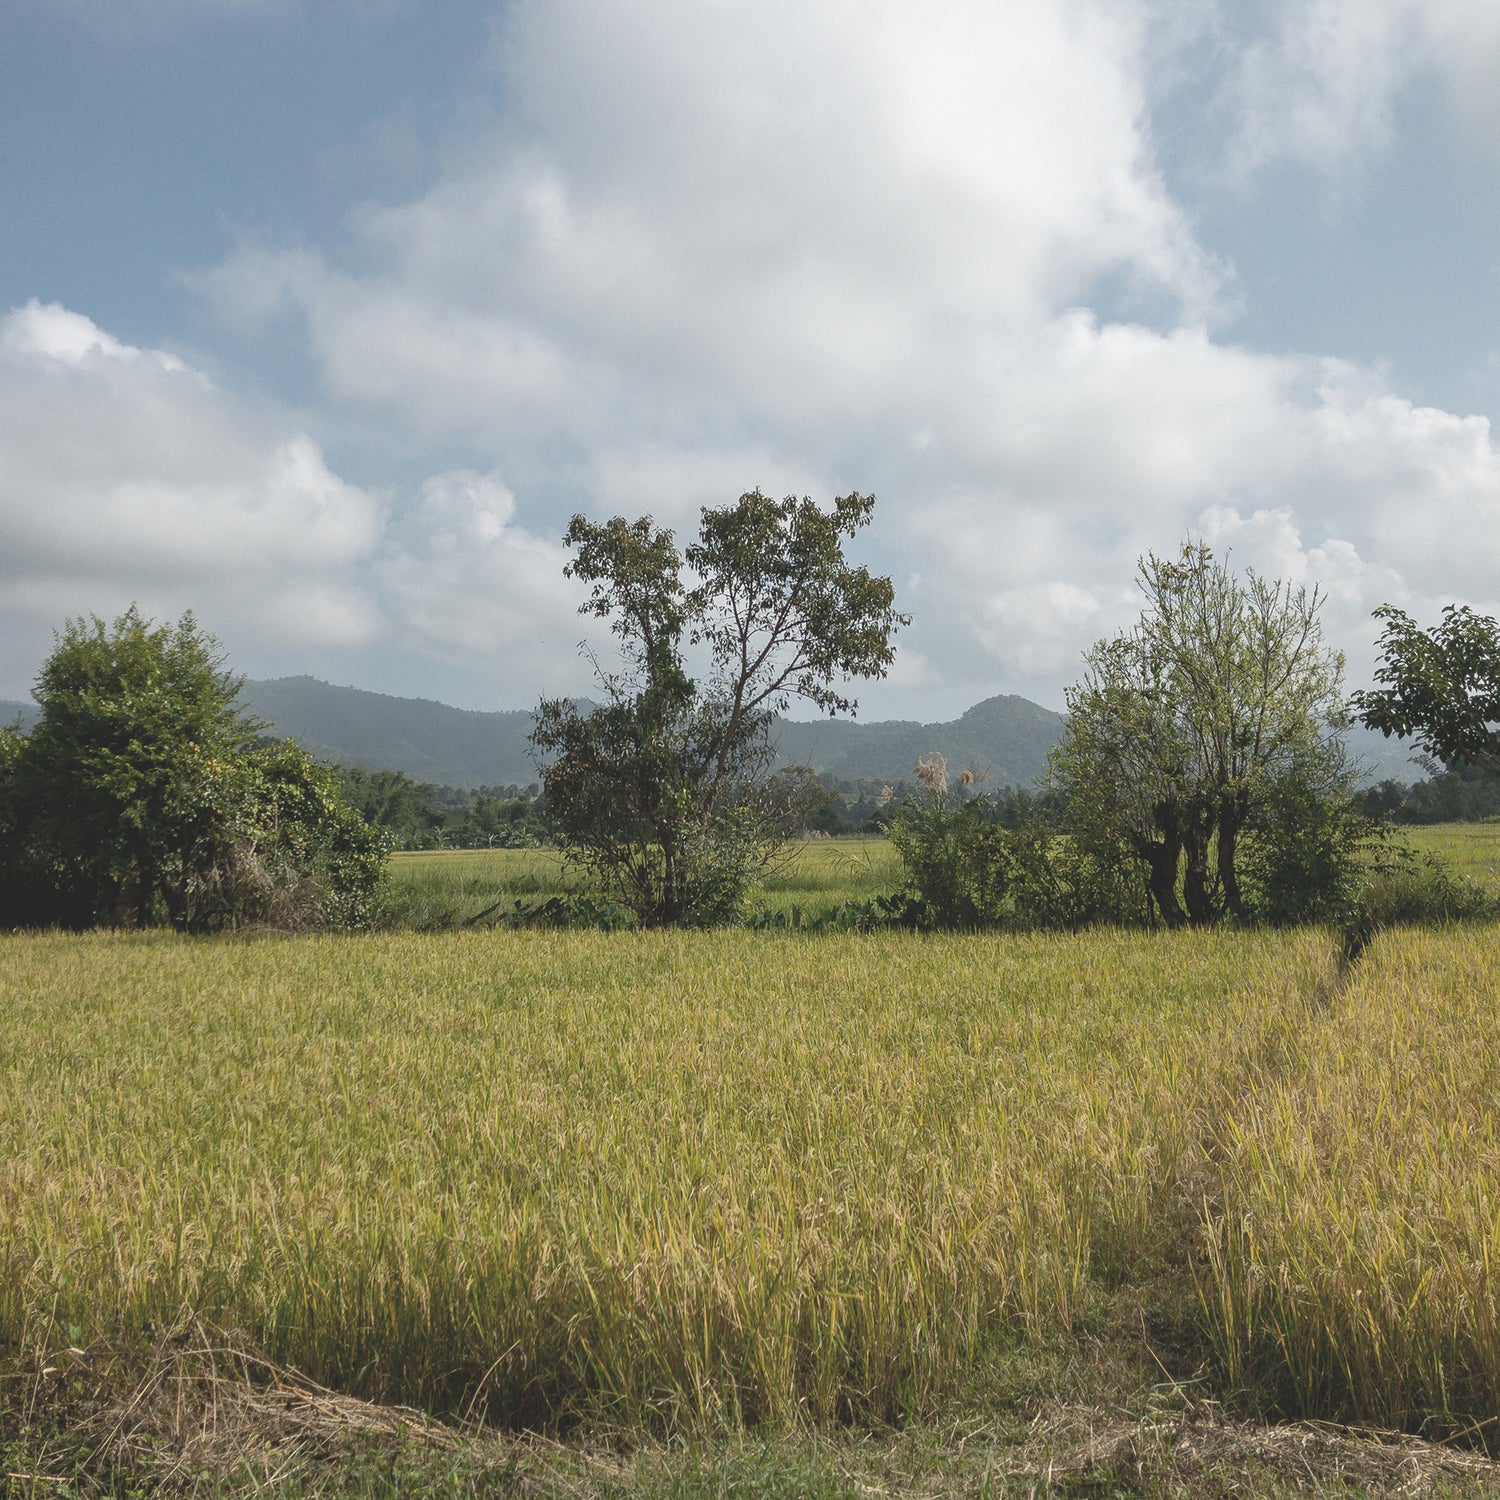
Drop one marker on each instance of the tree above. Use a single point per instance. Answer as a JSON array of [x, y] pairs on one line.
[[139, 796], [1441, 686], [1123, 769], [1184, 726], [799, 799], [662, 789]]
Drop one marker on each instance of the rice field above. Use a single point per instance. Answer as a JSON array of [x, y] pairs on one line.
[[703, 1182], [446, 888], [1356, 1261], [675, 1180]]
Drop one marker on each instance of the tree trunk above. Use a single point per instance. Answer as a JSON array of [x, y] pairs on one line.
[[128, 897], [1229, 880], [1195, 884], [1161, 857]]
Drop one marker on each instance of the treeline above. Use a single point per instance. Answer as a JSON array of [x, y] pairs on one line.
[[853, 808], [1457, 794], [421, 815]]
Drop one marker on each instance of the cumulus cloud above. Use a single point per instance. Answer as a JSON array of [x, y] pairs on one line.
[[468, 584], [756, 214], [823, 246], [127, 475]]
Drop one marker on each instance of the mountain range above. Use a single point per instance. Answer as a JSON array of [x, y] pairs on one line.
[[1006, 737]]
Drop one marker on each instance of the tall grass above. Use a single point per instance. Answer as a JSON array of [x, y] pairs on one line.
[[1355, 1267], [651, 1178], [435, 891]]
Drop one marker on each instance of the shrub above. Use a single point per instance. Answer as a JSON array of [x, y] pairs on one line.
[[140, 798], [957, 865], [1407, 888], [1307, 855]]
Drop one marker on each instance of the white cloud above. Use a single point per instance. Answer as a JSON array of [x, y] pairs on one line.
[[50, 332], [823, 246], [1322, 82], [788, 214], [467, 584], [127, 475]]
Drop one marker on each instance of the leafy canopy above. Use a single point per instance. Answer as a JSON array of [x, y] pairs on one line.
[[662, 790], [1441, 686], [141, 796], [1184, 727]]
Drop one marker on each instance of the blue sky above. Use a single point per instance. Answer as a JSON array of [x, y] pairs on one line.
[[320, 317]]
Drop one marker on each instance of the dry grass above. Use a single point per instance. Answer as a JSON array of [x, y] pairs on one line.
[[195, 1413]]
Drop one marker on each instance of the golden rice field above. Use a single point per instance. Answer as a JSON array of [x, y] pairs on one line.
[[1357, 1255], [690, 1181], [690, 1177]]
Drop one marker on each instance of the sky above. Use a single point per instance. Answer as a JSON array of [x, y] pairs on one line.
[[320, 318]]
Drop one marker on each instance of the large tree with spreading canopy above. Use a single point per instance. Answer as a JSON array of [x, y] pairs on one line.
[[663, 789]]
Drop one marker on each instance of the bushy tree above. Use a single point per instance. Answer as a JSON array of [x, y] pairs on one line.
[[1441, 686], [1308, 848], [139, 796], [1185, 728], [957, 862], [661, 789], [972, 861]]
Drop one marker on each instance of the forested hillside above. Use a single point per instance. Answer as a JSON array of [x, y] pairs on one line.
[[374, 731], [1007, 737]]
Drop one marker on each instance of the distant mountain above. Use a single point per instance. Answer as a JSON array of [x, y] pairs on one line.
[[10, 711], [1006, 737], [374, 732]]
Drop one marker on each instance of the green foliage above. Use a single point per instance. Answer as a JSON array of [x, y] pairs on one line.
[[1307, 855], [1063, 883], [973, 863], [392, 800], [1441, 686], [419, 815], [115, 779], [1457, 793], [139, 798], [1409, 887], [957, 864], [663, 791], [800, 800], [1184, 727], [314, 860]]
